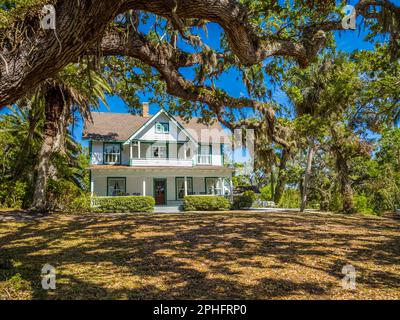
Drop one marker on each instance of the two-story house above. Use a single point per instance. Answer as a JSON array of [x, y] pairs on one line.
[[158, 155]]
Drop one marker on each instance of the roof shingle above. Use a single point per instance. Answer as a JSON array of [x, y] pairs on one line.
[[121, 126]]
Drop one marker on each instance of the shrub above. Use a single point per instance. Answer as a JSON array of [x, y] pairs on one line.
[[244, 201], [80, 204], [205, 203], [290, 199], [124, 204], [336, 202], [62, 193], [362, 204], [266, 193], [13, 194]]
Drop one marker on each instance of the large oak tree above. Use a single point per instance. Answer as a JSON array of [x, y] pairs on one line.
[[30, 55]]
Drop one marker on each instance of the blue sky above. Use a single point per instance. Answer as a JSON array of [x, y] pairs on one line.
[[347, 41]]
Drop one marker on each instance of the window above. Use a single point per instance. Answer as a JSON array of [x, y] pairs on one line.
[[159, 152], [180, 187], [213, 186], [112, 153], [116, 186], [205, 154], [162, 127]]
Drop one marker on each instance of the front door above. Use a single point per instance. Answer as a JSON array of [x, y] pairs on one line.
[[160, 191]]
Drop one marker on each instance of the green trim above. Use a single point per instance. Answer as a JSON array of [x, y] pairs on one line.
[[176, 186], [163, 124], [222, 146], [90, 181], [90, 151], [120, 151], [166, 189], [124, 178]]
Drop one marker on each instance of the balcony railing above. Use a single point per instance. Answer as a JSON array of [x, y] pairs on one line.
[[204, 159], [160, 162], [112, 157], [115, 158]]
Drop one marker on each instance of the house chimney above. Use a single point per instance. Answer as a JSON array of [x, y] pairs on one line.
[[145, 109]]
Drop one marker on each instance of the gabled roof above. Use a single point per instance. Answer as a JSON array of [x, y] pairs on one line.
[[112, 126], [136, 134], [122, 126]]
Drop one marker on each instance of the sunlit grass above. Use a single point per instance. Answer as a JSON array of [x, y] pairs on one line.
[[248, 255]]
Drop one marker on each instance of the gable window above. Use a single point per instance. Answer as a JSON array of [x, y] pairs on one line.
[[180, 187], [162, 127], [116, 186], [112, 153], [213, 186], [159, 152]]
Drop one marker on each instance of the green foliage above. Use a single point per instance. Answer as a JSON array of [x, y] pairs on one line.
[[124, 204], [62, 194], [290, 199], [362, 204], [206, 203], [80, 204], [12, 283], [244, 201], [13, 194], [266, 193], [335, 204], [15, 10]]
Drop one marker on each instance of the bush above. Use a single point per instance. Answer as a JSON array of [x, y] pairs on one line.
[[80, 204], [124, 204], [205, 203], [362, 204], [61, 194], [13, 195], [266, 193], [244, 201], [290, 199]]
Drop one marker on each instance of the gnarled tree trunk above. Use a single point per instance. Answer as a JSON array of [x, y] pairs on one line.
[[56, 112]]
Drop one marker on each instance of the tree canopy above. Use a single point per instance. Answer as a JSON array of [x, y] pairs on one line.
[[149, 46]]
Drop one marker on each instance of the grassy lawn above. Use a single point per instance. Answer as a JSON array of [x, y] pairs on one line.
[[240, 255]]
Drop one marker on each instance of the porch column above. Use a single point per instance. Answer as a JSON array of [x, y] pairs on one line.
[[130, 152], [138, 152], [231, 187], [221, 187], [185, 183], [144, 186], [91, 184]]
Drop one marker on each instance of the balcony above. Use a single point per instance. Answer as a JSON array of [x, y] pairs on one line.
[[161, 162], [204, 159]]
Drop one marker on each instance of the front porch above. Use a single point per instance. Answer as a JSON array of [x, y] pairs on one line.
[[166, 185]]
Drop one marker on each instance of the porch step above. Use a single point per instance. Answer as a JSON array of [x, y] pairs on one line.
[[168, 209]]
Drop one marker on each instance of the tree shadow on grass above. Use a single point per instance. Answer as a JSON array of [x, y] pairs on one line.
[[215, 256]]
